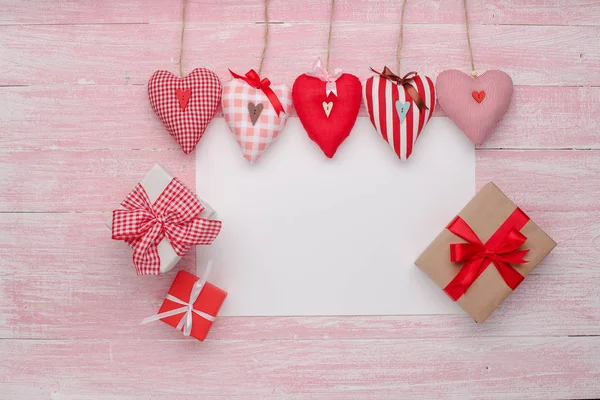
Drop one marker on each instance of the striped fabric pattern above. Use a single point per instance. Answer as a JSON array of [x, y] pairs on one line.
[[381, 95]]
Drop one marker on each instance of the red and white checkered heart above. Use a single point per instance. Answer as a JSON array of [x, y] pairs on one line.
[[395, 115], [186, 105], [251, 116]]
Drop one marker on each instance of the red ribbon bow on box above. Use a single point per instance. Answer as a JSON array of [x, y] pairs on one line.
[[254, 80], [174, 214], [502, 249]]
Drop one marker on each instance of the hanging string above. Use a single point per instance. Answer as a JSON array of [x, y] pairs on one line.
[[330, 28], [400, 37], [473, 73], [262, 57], [181, 42]]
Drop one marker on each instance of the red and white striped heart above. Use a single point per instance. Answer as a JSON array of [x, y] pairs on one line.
[[393, 110], [255, 111], [186, 105]]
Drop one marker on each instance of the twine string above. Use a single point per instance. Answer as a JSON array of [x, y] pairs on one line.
[[473, 73], [400, 37], [330, 29], [262, 57], [181, 41]]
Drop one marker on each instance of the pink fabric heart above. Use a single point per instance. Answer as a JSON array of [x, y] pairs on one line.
[[477, 116], [254, 136]]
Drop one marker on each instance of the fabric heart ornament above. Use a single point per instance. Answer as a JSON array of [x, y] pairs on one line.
[[327, 105], [255, 111], [186, 105], [399, 108], [475, 104]]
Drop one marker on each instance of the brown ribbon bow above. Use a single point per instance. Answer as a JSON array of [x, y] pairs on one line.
[[405, 82]]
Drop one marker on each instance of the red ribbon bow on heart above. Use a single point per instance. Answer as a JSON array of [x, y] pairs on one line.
[[254, 80], [174, 214], [502, 249]]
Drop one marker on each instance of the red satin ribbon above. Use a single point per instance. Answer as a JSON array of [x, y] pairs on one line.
[[254, 80], [502, 249]]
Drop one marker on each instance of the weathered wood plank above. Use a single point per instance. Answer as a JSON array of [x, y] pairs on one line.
[[529, 12], [469, 368], [71, 180], [544, 180], [129, 53], [120, 117], [54, 266], [58, 181]]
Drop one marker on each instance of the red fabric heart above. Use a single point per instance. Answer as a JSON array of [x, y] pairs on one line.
[[400, 130], [328, 132], [186, 105], [478, 96]]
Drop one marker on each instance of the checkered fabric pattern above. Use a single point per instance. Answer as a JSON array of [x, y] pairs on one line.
[[174, 214], [185, 122], [254, 139]]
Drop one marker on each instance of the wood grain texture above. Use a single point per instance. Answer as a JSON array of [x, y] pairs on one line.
[[129, 53], [534, 179], [81, 180], [354, 369], [77, 133], [528, 12], [119, 117], [40, 303], [544, 179]]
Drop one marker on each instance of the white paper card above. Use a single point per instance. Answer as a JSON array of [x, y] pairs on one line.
[[306, 235]]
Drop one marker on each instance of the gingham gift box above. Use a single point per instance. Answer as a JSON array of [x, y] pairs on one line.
[[162, 220]]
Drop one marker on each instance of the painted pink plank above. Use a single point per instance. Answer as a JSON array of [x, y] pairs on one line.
[[531, 12], [47, 286], [536, 180], [94, 180], [544, 180], [474, 368], [120, 117], [125, 53], [550, 117], [80, 117]]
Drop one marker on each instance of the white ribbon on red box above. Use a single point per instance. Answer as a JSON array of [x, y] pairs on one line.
[[188, 307]]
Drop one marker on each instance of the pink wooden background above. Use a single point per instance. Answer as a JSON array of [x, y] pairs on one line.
[[77, 132]]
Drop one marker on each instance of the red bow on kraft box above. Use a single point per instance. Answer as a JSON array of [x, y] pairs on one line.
[[500, 247], [191, 305], [172, 223], [501, 250]]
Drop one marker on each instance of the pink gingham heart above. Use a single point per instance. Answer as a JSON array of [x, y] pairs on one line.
[[254, 138], [186, 105], [476, 105]]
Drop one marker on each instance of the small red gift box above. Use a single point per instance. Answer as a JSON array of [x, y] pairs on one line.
[[191, 305]]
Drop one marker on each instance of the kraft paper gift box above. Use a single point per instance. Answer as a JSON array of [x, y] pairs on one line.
[[191, 305], [485, 252], [155, 185]]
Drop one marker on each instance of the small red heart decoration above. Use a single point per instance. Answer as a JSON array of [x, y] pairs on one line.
[[186, 105], [183, 95], [328, 119], [478, 96]]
